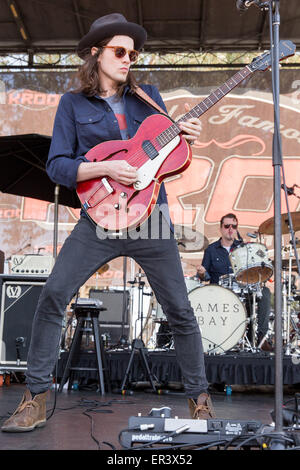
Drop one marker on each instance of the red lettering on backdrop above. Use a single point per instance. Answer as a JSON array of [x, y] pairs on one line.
[[33, 98], [75, 212], [237, 140], [27, 98], [39, 98], [232, 174], [34, 209], [193, 179], [14, 98], [53, 99]]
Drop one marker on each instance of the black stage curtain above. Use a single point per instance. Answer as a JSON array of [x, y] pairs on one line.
[[239, 369]]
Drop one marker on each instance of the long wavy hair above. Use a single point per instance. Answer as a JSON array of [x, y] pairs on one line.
[[88, 74]]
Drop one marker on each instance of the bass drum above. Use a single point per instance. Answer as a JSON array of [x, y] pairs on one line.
[[191, 283], [221, 317]]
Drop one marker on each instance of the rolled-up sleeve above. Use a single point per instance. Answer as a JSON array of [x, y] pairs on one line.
[[62, 164]]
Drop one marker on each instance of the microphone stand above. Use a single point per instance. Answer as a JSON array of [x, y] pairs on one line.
[[277, 442], [274, 19]]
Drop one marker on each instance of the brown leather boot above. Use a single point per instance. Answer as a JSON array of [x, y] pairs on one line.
[[30, 414], [203, 409]]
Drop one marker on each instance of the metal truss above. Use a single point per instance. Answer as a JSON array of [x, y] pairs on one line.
[[179, 60]]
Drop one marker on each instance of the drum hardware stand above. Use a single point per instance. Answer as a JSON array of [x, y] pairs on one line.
[[141, 284], [286, 311], [264, 338], [246, 344], [287, 300], [123, 341], [253, 321], [295, 341], [169, 345], [138, 346]]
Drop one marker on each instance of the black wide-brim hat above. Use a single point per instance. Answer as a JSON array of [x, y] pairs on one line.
[[108, 26]]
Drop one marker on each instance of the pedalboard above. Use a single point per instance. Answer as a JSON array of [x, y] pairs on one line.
[[160, 427]]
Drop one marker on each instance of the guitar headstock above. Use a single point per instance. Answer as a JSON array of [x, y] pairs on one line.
[[263, 62]]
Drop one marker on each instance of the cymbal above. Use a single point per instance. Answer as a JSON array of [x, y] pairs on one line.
[[103, 269], [267, 227], [189, 240]]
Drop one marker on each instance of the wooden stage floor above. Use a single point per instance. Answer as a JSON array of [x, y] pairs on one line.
[[85, 420]]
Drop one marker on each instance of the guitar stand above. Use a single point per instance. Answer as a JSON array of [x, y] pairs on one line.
[[138, 346]]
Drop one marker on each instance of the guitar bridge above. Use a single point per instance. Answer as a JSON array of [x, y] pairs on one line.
[[108, 187]]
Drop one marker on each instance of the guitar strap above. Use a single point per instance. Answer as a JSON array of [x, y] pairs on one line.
[[142, 95]]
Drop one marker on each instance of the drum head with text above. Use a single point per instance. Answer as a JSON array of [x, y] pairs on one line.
[[221, 317]]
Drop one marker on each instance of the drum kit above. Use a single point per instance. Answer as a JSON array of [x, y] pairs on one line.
[[227, 313]]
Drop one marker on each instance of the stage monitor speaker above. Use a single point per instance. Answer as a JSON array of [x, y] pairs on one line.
[[113, 302], [19, 298]]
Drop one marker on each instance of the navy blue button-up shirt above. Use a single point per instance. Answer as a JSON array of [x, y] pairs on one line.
[[216, 260], [82, 122]]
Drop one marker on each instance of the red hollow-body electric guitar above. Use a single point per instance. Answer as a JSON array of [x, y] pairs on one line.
[[159, 151]]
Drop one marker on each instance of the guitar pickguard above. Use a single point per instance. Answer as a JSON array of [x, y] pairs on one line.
[[146, 173]]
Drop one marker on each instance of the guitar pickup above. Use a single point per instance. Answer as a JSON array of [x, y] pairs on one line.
[[105, 189], [149, 149]]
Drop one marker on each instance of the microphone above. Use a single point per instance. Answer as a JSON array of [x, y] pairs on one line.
[[239, 239], [252, 235], [239, 236]]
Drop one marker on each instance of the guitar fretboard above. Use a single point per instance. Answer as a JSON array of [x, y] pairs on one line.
[[166, 136]]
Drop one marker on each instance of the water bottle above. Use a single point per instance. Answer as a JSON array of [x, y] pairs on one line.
[[75, 385]]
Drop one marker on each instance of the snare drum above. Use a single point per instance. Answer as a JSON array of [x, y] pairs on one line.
[[250, 263], [228, 281], [221, 317], [191, 283]]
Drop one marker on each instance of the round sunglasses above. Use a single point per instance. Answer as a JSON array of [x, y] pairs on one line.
[[121, 51]]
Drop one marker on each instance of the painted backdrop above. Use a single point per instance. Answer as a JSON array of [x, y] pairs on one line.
[[231, 169]]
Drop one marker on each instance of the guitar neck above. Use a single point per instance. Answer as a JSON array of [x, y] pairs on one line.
[[165, 137]]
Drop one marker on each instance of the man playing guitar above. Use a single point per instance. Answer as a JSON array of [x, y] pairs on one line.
[[104, 109]]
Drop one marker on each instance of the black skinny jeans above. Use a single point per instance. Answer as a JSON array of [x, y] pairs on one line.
[[83, 252]]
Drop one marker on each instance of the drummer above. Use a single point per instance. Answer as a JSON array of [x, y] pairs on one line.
[[216, 263]]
